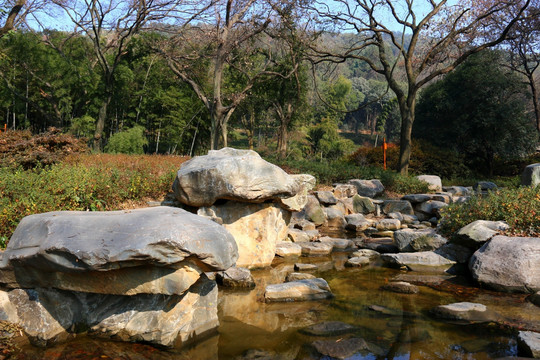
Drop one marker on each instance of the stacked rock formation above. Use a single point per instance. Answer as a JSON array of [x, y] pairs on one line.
[[130, 275], [250, 197]]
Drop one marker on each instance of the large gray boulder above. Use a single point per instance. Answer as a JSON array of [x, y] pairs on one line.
[[369, 188], [531, 175], [434, 182], [475, 234], [160, 250], [508, 264], [232, 174]]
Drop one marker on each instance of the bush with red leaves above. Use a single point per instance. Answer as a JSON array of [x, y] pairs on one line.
[[21, 148]]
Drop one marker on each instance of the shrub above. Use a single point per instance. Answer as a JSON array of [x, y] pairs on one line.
[[85, 182], [21, 148], [130, 141], [519, 207]]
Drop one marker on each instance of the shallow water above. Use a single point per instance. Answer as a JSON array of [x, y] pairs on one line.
[[252, 329]]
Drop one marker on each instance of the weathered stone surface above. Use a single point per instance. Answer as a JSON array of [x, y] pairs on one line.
[[256, 228], [155, 250], [328, 328], [295, 276], [531, 175], [529, 344], [286, 248], [297, 202], [316, 248], [434, 182], [402, 206], [431, 207], [443, 197], [358, 261], [49, 316], [231, 174], [314, 211], [296, 235], [344, 190], [338, 244], [363, 204], [508, 264], [357, 222], [326, 197], [465, 311], [8, 311], [478, 232], [369, 188], [304, 225], [388, 224], [301, 290], [235, 277], [401, 287], [418, 240], [335, 218]]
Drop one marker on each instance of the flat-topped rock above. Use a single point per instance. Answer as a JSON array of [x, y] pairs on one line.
[[232, 174], [326, 197], [337, 243], [301, 290], [286, 248], [464, 311], [475, 234], [316, 248], [358, 261], [416, 198], [295, 276], [418, 240], [328, 328], [154, 250], [401, 287], [235, 277]]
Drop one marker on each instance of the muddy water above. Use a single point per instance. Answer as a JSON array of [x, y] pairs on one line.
[[401, 329]]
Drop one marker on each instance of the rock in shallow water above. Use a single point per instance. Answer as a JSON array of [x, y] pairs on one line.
[[301, 290], [49, 316], [465, 311], [529, 344], [328, 328], [236, 277]]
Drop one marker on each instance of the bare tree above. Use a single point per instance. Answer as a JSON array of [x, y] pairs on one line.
[[110, 25], [13, 16], [222, 55], [434, 39], [524, 41]]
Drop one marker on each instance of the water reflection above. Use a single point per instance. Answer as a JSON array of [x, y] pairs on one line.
[[391, 325]]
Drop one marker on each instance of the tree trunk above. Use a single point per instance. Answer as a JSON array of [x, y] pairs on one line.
[[224, 134], [405, 147], [535, 101], [100, 124], [282, 140]]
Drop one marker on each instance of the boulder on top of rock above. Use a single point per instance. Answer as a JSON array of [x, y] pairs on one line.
[[295, 276], [418, 240], [402, 206], [388, 224], [431, 207], [363, 204], [434, 182], [297, 202], [300, 290], [369, 188], [232, 174], [335, 218], [235, 277], [531, 175], [475, 234], [326, 197], [357, 222], [114, 249], [508, 264], [457, 190], [313, 211], [344, 190]]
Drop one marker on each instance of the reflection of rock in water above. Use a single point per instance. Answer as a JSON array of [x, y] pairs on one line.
[[86, 348]]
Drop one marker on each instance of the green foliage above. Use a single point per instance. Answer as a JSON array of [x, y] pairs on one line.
[[83, 126], [326, 141], [89, 182], [130, 141], [519, 207], [477, 110]]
